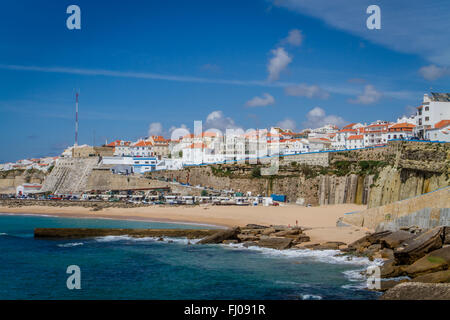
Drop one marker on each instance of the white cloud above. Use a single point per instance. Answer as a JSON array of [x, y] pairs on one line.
[[303, 90], [405, 25], [278, 63], [263, 101], [217, 120], [433, 72], [370, 95], [155, 129], [294, 38], [317, 117], [287, 124]]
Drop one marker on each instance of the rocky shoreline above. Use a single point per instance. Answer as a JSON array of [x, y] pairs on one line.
[[421, 258]]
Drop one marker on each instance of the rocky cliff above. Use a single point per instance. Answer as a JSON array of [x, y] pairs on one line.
[[372, 176]]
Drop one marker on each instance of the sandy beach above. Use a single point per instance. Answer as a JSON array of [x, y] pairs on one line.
[[321, 220]]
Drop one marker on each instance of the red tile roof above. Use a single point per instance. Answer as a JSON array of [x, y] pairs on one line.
[[441, 124], [356, 137]]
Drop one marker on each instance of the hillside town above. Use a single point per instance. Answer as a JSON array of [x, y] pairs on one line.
[[431, 122]]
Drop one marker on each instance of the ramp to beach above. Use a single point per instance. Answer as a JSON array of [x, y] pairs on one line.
[[425, 211]]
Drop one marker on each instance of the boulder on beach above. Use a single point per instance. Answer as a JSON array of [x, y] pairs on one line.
[[395, 239], [390, 270], [418, 291], [368, 240], [434, 277], [329, 245], [220, 236], [415, 248], [434, 261], [255, 226], [278, 243], [446, 235]]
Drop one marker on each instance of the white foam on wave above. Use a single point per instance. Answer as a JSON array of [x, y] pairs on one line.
[[3, 234], [25, 214], [71, 244], [326, 256], [146, 239], [311, 297]]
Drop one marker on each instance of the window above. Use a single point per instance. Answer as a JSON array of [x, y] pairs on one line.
[[427, 108], [427, 118]]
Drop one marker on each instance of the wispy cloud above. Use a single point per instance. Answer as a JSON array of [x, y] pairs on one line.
[[304, 90], [417, 27], [331, 88]]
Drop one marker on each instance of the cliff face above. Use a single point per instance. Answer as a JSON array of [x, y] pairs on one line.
[[10, 180], [373, 176], [415, 168]]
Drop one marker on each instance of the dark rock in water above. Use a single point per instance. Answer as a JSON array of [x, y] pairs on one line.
[[434, 277], [415, 248], [390, 270], [311, 245], [73, 233], [434, 261], [418, 291], [161, 239], [275, 242], [250, 244], [229, 241], [220, 236], [395, 239], [255, 226]]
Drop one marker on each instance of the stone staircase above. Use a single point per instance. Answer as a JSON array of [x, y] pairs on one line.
[[70, 175]]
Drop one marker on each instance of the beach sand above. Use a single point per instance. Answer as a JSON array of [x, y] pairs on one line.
[[321, 220]]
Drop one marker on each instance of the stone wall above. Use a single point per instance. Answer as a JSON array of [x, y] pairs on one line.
[[371, 218], [70, 175], [11, 180]]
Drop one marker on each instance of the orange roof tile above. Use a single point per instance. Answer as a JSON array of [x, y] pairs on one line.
[[441, 124], [356, 137]]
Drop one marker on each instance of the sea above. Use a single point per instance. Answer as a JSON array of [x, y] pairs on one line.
[[120, 267]]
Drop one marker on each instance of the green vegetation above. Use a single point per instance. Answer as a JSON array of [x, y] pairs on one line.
[[256, 172], [204, 193]]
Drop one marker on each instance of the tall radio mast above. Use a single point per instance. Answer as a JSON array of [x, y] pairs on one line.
[[76, 120]]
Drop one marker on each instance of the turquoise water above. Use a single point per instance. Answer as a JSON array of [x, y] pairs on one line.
[[125, 268]]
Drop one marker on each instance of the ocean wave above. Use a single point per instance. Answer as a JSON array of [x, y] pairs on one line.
[[3, 234], [311, 297], [146, 239], [71, 244], [326, 256], [25, 214]]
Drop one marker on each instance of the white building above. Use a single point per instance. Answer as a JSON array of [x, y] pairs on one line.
[[374, 134], [399, 131], [121, 148], [355, 141], [434, 109], [439, 132]]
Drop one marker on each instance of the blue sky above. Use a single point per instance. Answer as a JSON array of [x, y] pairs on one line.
[[153, 66]]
